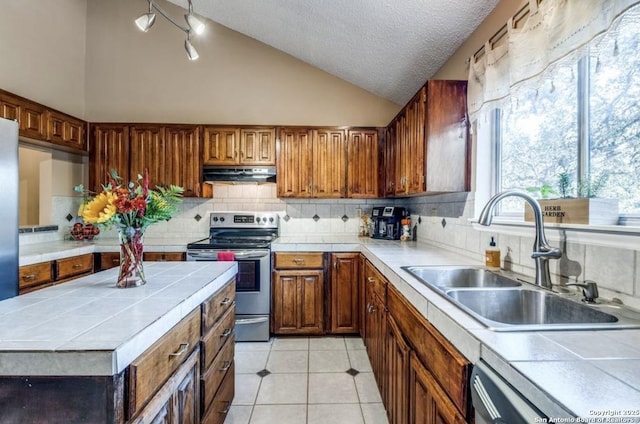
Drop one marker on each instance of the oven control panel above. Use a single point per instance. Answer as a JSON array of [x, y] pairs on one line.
[[244, 219]]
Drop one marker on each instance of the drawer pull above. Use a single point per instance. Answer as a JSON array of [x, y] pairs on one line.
[[298, 260], [76, 266], [30, 277], [227, 365], [183, 348], [115, 260], [371, 279], [225, 301], [226, 332], [226, 410]]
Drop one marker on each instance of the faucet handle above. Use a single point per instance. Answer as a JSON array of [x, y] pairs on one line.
[[589, 290]]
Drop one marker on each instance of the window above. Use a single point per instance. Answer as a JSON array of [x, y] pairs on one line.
[[580, 119]]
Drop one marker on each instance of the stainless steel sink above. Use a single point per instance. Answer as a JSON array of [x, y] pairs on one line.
[[452, 276], [524, 307], [502, 303]]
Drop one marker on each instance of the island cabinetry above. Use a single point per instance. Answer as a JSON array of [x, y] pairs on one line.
[[217, 353], [152, 369], [344, 293], [298, 293]]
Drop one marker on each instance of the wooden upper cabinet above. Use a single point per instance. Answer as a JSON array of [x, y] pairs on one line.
[[108, 149], [448, 158], [294, 164], [362, 164], [148, 151], [329, 163], [30, 115], [389, 158], [410, 147], [183, 158], [258, 146], [66, 130], [221, 146]]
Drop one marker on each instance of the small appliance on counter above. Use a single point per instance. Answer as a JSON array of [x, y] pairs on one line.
[[386, 222]]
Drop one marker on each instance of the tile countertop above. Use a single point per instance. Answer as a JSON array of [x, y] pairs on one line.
[[89, 327], [564, 373]]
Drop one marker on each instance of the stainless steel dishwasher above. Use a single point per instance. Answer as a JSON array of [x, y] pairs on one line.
[[496, 402]]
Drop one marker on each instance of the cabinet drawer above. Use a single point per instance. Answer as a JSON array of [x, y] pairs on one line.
[[375, 281], [151, 369], [450, 369], [75, 265], [212, 378], [214, 307], [109, 260], [35, 275], [163, 256], [222, 402], [213, 341], [303, 260]]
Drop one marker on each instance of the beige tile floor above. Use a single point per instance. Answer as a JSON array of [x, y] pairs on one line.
[[307, 383]]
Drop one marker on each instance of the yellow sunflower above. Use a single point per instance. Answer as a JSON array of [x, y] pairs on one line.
[[99, 210]]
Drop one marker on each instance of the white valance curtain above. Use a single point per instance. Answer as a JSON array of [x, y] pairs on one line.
[[552, 30]]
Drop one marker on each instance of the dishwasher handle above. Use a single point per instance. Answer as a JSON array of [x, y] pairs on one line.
[[496, 402]]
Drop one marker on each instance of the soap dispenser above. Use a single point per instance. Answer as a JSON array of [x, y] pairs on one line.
[[492, 256]]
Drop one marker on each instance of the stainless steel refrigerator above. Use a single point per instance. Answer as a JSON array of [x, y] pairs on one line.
[[9, 182]]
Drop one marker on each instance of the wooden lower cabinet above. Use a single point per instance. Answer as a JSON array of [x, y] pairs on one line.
[[164, 256], [298, 302], [344, 288], [397, 370], [428, 403], [422, 378], [177, 402], [44, 274]]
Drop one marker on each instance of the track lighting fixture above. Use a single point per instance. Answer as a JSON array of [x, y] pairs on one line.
[[194, 25]]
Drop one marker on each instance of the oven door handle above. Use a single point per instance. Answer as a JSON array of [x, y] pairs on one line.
[[200, 255], [245, 321], [252, 254]]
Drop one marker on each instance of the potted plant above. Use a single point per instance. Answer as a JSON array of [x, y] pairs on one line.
[[585, 208]]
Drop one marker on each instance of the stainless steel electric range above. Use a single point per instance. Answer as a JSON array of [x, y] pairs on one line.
[[247, 236]]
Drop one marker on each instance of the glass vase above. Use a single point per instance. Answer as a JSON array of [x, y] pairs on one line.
[[131, 247]]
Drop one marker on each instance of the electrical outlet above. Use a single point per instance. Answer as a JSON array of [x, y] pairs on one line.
[[358, 212], [434, 214]]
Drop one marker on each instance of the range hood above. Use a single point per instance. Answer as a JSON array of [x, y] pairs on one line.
[[249, 174]]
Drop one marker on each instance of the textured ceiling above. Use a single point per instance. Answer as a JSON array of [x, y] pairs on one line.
[[387, 47]]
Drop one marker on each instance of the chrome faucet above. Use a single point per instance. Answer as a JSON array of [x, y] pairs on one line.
[[542, 252]]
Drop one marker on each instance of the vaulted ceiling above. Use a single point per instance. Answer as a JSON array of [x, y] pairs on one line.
[[387, 47]]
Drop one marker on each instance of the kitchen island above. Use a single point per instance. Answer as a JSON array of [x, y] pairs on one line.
[[71, 347]]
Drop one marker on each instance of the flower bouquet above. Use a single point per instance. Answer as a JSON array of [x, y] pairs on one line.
[[130, 207]]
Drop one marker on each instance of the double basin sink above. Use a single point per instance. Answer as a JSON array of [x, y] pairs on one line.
[[502, 302]]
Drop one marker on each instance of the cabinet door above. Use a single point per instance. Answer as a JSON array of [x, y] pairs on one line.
[[186, 397], [329, 164], [10, 107], [448, 150], [401, 152], [184, 160], [416, 141], [148, 151], [389, 160], [428, 403], [294, 162], [258, 146], [362, 166], [65, 130], [33, 121], [298, 302], [397, 374], [221, 146], [108, 149], [345, 303]]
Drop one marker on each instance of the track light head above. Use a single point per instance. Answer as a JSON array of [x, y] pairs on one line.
[[192, 53], [195, 24], [145, 21]]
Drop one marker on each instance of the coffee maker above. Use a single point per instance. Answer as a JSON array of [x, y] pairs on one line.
[[386, 222]]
